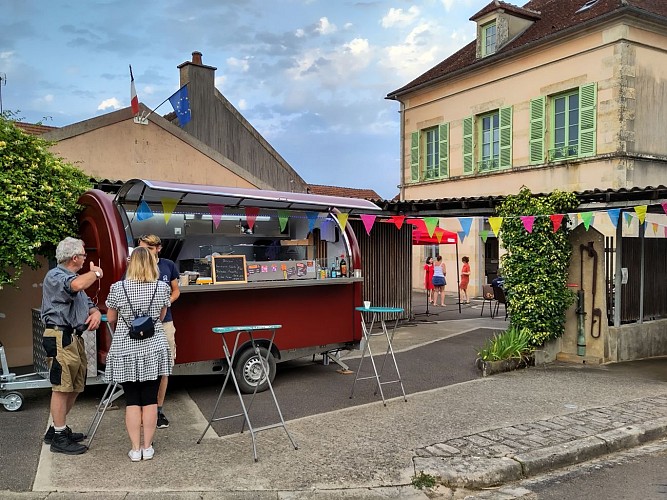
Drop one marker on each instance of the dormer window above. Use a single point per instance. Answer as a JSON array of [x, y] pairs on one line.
[[489, 38]]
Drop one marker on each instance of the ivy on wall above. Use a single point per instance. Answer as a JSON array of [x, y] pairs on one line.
[[535, 266], [38, 200]]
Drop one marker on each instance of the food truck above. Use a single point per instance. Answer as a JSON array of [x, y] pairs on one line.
[[246, 257]]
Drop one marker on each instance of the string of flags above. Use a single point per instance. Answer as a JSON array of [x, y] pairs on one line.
[[427, 225]]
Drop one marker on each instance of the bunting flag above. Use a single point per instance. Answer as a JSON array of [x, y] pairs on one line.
[[144, 211], [368, 221], [556, 221], [664, 207], [495, 223], [640, 210], [466, 224], [398, 220], [462, 236], [587, 219], [283, 216], [439, 233], [628, 218], [251, 214], [528, 221], [484, 234], [216, 211], [431, 224], [312, 220], [655, 228], [134, 100], [614, 214], [342, 220], [168, 205]]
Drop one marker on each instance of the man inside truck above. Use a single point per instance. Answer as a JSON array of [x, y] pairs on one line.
[[169, 274]]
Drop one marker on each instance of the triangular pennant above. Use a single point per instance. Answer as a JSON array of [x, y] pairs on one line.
[[528, 221], [466, 223], [587, 219], [495, 223], [641, 212], [168, 204], [283, 216], [216, 211], [251, 214], [484, 234], [655, 228], [312, 219], [628, 218], [342, 220], [556, 221], [368, 221], [398, 220], [462, 236], [439, 233], [664, 207], [431, 224], [144, 211], [614, 214]]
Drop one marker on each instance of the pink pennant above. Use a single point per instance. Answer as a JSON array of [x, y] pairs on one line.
[[398, 220], [368, 221], [216, 213], [664, 206], [251, 214], [556, 220], [528, 221]]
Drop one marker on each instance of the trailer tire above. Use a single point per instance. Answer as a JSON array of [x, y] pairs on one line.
[[248, 371], [13, 401]]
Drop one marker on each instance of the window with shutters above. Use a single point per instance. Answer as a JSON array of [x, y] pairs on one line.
[[490, 142], [429, 153], [487, 141]]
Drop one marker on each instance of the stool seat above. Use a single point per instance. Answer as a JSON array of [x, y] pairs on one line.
[[244, 328]]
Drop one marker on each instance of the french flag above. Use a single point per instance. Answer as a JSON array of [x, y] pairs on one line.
[[134, 101]]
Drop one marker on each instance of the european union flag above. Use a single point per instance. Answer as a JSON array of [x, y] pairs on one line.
[[181, 105]]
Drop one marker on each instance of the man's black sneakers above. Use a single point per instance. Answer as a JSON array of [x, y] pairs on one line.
[[75, 437], [162, 422], [61, 443]]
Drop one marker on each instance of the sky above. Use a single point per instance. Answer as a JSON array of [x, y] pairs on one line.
[[310, 75]]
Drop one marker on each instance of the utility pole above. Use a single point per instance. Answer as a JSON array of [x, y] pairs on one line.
[[3, 81]]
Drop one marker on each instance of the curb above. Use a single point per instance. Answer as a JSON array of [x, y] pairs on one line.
[[481, 472]]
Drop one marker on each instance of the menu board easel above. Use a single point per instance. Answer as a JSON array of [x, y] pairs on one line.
[[229, 269]]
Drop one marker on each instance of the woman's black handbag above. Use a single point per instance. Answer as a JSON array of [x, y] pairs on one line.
[[142, 326]]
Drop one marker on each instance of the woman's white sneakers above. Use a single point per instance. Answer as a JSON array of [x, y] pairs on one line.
[[145, 453]]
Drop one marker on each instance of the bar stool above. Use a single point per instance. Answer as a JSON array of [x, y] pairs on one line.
[[229, 357]]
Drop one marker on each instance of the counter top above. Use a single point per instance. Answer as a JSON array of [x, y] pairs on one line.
[[269, 284]]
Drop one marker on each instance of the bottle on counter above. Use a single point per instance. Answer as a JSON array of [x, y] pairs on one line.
[[334, 269], [343, 267]]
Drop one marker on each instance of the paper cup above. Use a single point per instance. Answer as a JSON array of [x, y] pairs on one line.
[[367, 304]]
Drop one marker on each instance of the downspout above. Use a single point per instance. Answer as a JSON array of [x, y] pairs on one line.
[[618, 273], [401, 153]]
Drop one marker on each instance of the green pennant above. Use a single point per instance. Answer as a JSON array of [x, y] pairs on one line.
[[283, 216], [431, 223], [484, 233], [587, 219]]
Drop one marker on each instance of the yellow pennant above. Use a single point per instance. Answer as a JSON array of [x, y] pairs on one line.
[[342, 220], [641, 212], [168, 204], [495, 223]]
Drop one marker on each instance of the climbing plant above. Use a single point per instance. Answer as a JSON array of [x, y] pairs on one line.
[[38, 199], [535, 266]]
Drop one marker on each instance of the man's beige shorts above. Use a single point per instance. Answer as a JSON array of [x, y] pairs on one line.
[[170, 333], [67, 360]]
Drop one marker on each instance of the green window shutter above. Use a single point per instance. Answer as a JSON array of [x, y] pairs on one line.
[[443, 133], [414, 156], [537, 130], [588, 96], [505, 137], [467, 146]]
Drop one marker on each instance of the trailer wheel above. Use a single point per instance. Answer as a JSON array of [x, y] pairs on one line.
[[13, 401], [248, 370]]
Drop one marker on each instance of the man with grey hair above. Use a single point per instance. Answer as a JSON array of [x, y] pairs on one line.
[[67, 312]]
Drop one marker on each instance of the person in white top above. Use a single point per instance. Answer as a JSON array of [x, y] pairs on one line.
[[439, 281]]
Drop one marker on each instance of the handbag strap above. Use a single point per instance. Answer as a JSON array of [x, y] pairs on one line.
[[122, 283]]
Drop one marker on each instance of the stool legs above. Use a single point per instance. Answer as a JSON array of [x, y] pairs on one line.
[[113, 391]]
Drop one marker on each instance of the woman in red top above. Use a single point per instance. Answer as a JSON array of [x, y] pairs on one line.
[[465, 279], [428, 279]]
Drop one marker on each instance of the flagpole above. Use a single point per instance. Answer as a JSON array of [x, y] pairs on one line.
[[144, 118]]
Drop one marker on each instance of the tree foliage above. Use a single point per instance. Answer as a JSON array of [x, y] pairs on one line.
[[535, 266], [38, 200]]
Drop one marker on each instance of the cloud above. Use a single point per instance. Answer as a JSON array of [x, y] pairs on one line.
[[324, 27], [111, 103], [242, 105], [399, 16], [242, 64]]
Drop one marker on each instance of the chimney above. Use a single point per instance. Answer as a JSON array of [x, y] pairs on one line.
[[196, 58]]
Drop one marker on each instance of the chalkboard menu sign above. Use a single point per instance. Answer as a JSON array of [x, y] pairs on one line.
[[229, 269]]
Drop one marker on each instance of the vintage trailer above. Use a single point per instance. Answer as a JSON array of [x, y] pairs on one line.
[[247, 256]]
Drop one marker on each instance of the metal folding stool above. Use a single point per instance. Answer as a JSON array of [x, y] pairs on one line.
[[229, 357], [368, 333]]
